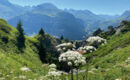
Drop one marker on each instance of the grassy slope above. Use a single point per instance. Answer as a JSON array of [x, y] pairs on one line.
[[110, 59], [108, 62], [11, 59]]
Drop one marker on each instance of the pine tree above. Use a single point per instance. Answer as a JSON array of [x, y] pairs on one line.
[[111, 30], [41, 32], [98, 31], [42, 51], [20, 37], [62, 37], [42, 47]]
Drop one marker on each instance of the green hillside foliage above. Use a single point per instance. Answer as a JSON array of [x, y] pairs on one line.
[[126, 28], [110, 60], [12, 59]]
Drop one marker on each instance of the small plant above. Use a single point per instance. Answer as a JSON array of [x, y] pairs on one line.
[[87, 49], [65, 46], [73, 59], [96, 41], [53, 74]]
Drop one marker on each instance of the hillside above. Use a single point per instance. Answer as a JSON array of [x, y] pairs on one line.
[[46, 9], [93, 21], [9, 10], [108, 62], [53, 19], [111, 61], [49, 13], [12, 60], [62, 24], [115, 21]]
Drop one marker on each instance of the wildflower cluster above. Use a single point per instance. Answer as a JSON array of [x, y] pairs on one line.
[[53, 72], [26, 69], [64, 47], [71, 55], [96, 40], [73, 58], [87, 49]]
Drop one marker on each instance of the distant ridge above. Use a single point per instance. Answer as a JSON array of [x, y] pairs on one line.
[[56, 21]]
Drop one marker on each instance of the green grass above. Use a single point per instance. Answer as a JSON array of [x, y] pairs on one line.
[[11, 59], [108, 59]]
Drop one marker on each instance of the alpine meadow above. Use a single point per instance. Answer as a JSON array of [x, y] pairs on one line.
[[64, 40]]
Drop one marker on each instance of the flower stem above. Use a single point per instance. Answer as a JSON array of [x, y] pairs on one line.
[[72, 74], [77, 75]]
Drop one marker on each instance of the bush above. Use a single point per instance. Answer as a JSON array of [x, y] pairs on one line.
[[125, 29], [5, 39]]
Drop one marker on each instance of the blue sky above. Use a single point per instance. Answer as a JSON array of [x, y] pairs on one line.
[[111, 7]]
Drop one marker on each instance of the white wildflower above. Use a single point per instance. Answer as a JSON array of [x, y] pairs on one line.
[[59, 49], [69, 63], [87, 49], [22, 77], [54, 73], [64, 59], [52, 66], [72, 58], [98, 39], [25, 69], [52, 69], [65, 46]]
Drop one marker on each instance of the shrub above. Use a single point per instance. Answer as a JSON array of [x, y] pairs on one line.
[[96, 41]]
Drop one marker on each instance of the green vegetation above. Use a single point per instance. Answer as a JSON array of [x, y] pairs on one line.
[[108, 62], [20, 37], [12, 59], [126, 28], [42, 50]]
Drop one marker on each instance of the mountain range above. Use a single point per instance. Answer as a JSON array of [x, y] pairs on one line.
[[9, 10], [72, 24]]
